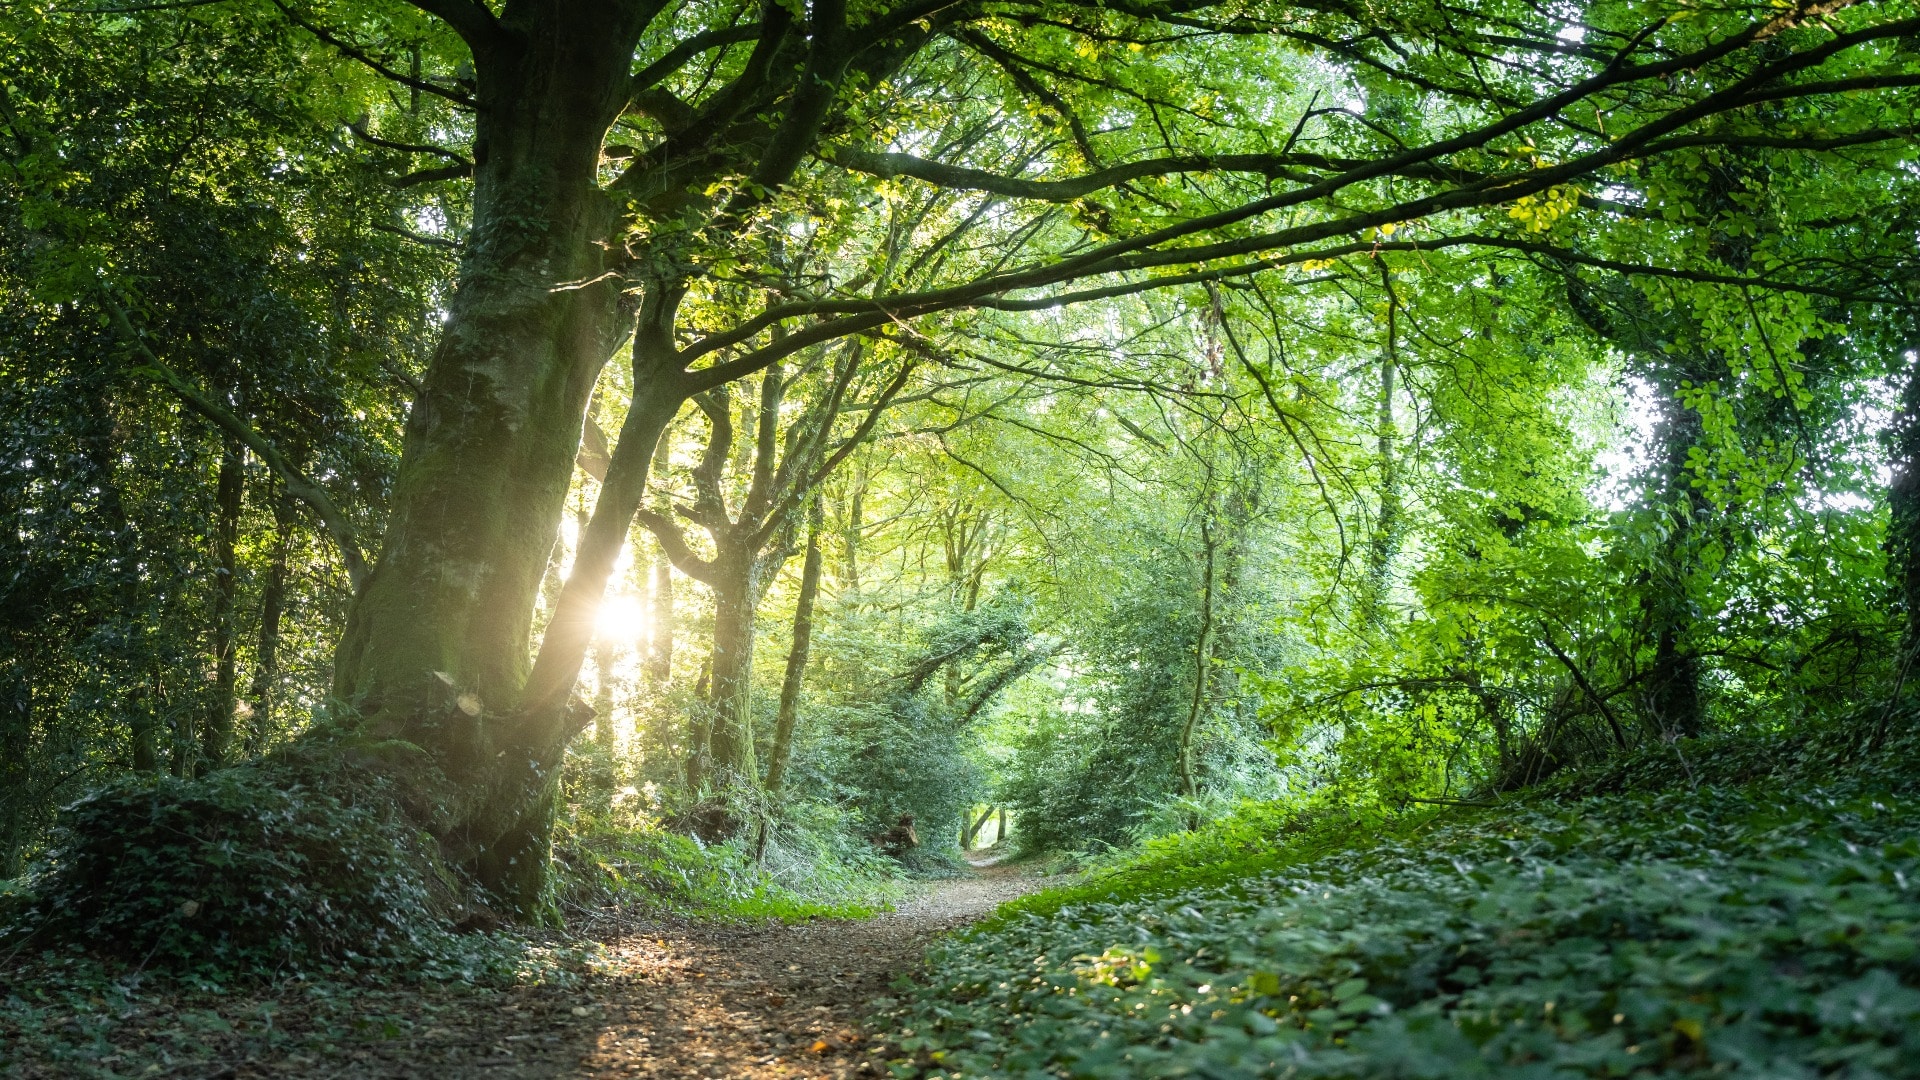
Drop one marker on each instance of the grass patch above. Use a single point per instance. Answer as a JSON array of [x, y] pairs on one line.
[[1256, 838]]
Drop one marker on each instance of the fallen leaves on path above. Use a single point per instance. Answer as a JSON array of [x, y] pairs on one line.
[[677, 1000]]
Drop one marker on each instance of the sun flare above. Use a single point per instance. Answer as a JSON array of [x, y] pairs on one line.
[[622, 618]]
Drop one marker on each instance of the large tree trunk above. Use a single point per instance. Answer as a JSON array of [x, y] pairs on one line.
[[436, 650], [1673, 682], [1903, 498], [736, 593], [1903, 545]]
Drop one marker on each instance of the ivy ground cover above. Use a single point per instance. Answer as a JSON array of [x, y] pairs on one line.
[[1712, 931]]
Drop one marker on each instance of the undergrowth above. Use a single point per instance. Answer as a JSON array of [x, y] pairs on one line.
[[197, 915], [789, 873], [1746, 906]]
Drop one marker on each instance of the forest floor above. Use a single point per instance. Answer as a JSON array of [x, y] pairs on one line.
[[665, 999]]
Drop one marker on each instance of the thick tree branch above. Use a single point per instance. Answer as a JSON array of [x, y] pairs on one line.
[[674, 543], [963, 178], [678, 56], [468, 18], [359, 129], [429, 176]]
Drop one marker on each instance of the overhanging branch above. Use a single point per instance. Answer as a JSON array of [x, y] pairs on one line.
[[298, 486]]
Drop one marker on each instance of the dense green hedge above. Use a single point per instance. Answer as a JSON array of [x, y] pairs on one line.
[[1759, 929], [245, 869]]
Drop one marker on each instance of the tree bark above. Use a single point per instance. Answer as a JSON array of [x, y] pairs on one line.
[[796, 658], [659, 662], [16, 746], [970, 832], [216, 730], [1385, 543], [1673, 681], [1903, 498], [1903, 542], [262, 689], [489, 452], [850, 539], [1202, 661], [736, 595]]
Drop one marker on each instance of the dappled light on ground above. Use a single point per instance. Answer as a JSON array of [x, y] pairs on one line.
[[680, 999]]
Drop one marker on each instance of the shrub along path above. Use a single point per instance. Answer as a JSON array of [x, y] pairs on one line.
[[681, 999]]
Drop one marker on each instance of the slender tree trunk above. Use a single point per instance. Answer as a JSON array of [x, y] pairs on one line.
[[16, 749], [1202, 661], [273, 601], [969, 833], [850, 538], [183, 752], [1000, 826], [796, 658], [216, 730], [1385, 543], [101, 454], [659, 666]]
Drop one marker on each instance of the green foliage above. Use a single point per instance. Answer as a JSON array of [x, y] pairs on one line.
[[654, 871], [252, 870], [1759, 928], [906, 738], [69, 1014], [788, 859], [905, 756]]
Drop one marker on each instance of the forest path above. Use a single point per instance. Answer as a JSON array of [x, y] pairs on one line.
[[693, 1001]]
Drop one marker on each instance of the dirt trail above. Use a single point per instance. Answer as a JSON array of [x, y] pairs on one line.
[[688, 1001]]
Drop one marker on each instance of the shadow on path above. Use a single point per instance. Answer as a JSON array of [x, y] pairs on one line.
[[681, 1000]]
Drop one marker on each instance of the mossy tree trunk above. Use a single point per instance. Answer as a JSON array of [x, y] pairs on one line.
[[559, 267], [436, 649]]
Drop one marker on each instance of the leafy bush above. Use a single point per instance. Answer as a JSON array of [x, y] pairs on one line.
[[904, 757], [248, 869], [655, 870], [1764, 929]]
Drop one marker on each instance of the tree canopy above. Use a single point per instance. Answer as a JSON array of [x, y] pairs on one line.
[[1112, 412]]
